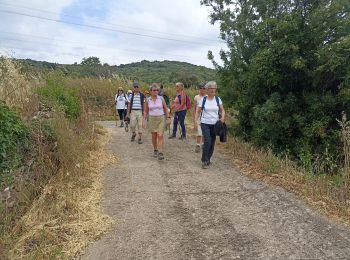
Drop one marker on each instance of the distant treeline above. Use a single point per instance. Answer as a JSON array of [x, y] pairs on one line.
[[146, 71]]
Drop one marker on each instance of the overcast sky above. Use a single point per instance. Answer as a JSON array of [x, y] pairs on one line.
[[118, 32]]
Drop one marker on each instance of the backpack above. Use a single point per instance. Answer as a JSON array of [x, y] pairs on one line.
[[166, 99], [187, 101]]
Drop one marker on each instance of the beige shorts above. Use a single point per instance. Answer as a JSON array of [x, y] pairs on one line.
[[156, 124], [136, 121]]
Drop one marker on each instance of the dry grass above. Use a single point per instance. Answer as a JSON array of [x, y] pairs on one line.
[[14, 89], [319, 191], [67, 216]]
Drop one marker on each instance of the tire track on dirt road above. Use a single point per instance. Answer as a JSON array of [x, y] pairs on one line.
[[176, 210]]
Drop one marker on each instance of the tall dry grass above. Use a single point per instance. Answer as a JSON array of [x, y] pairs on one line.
[[67, 216], [58, 207]]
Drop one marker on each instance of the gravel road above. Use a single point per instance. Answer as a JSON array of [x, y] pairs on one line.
[[176, 210]]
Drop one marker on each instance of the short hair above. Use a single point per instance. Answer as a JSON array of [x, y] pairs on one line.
[[210, 84], [179, 84]]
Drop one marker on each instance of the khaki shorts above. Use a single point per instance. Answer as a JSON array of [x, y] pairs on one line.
[[136, 121], [156, 124]]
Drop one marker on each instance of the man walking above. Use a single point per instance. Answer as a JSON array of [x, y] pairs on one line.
[[135, 112]]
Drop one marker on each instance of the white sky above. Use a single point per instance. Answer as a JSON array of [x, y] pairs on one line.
[[106, 29]]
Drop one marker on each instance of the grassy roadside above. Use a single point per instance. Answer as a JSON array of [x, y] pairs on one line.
[[50, 189], [67, 216], [325, 193]]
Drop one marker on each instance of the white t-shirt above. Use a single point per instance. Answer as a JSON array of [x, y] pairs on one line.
[[197, 99], [121, 101], [210, 113]]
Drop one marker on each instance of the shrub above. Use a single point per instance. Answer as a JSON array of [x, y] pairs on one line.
[[57, 94], [14, 140]]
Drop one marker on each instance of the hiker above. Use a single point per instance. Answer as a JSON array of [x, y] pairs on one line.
[[121, 102], [209, 111], [161, 90], [180, 111], [146, 93], [135, 112], [196, 122], [129, 93], [154, 111]]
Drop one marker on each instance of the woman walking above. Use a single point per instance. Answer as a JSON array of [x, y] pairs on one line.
[[121, 102], [154, 111], [180, 111], [209, 111], [196, 122]]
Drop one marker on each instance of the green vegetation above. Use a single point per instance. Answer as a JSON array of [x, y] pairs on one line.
[[145, 71], [287, 72], [55, 93], [14, 141]]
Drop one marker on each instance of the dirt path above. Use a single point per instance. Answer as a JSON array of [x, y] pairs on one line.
[[176, 210]]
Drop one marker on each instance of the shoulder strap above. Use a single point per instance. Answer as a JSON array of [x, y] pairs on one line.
[[203, 104], [217, 100]]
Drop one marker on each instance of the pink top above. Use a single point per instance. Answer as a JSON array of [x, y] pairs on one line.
[[155, 107], [178, 106]]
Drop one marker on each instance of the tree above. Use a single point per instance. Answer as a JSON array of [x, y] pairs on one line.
[[91, 61], [286, 72]]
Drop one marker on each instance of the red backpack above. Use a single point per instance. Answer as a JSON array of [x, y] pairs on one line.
[[187, 101]]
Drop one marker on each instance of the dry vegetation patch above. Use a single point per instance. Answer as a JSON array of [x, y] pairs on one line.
[[319, 191], [67, 216]]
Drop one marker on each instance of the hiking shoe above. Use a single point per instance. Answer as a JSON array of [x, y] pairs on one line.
[[197, 149], [205, 165], [172, 137], [160, 156], [133, 137], [139, 141], [155, 153], [121, 124], [182, 137]]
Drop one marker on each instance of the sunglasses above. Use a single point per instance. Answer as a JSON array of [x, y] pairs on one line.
[[202, 88], [155, 89], [136, 87]]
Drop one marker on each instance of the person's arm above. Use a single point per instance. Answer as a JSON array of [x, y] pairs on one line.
[[194, 109], [222, 113], [183, 98], [196, 117], [128, 110], [145, 110]]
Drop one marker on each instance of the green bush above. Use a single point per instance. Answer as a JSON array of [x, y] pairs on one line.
[[14, 140], [287, 73], [56, 93]]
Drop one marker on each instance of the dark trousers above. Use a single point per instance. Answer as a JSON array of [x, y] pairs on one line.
[[209, 141], [122, 113], [180, 118]]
